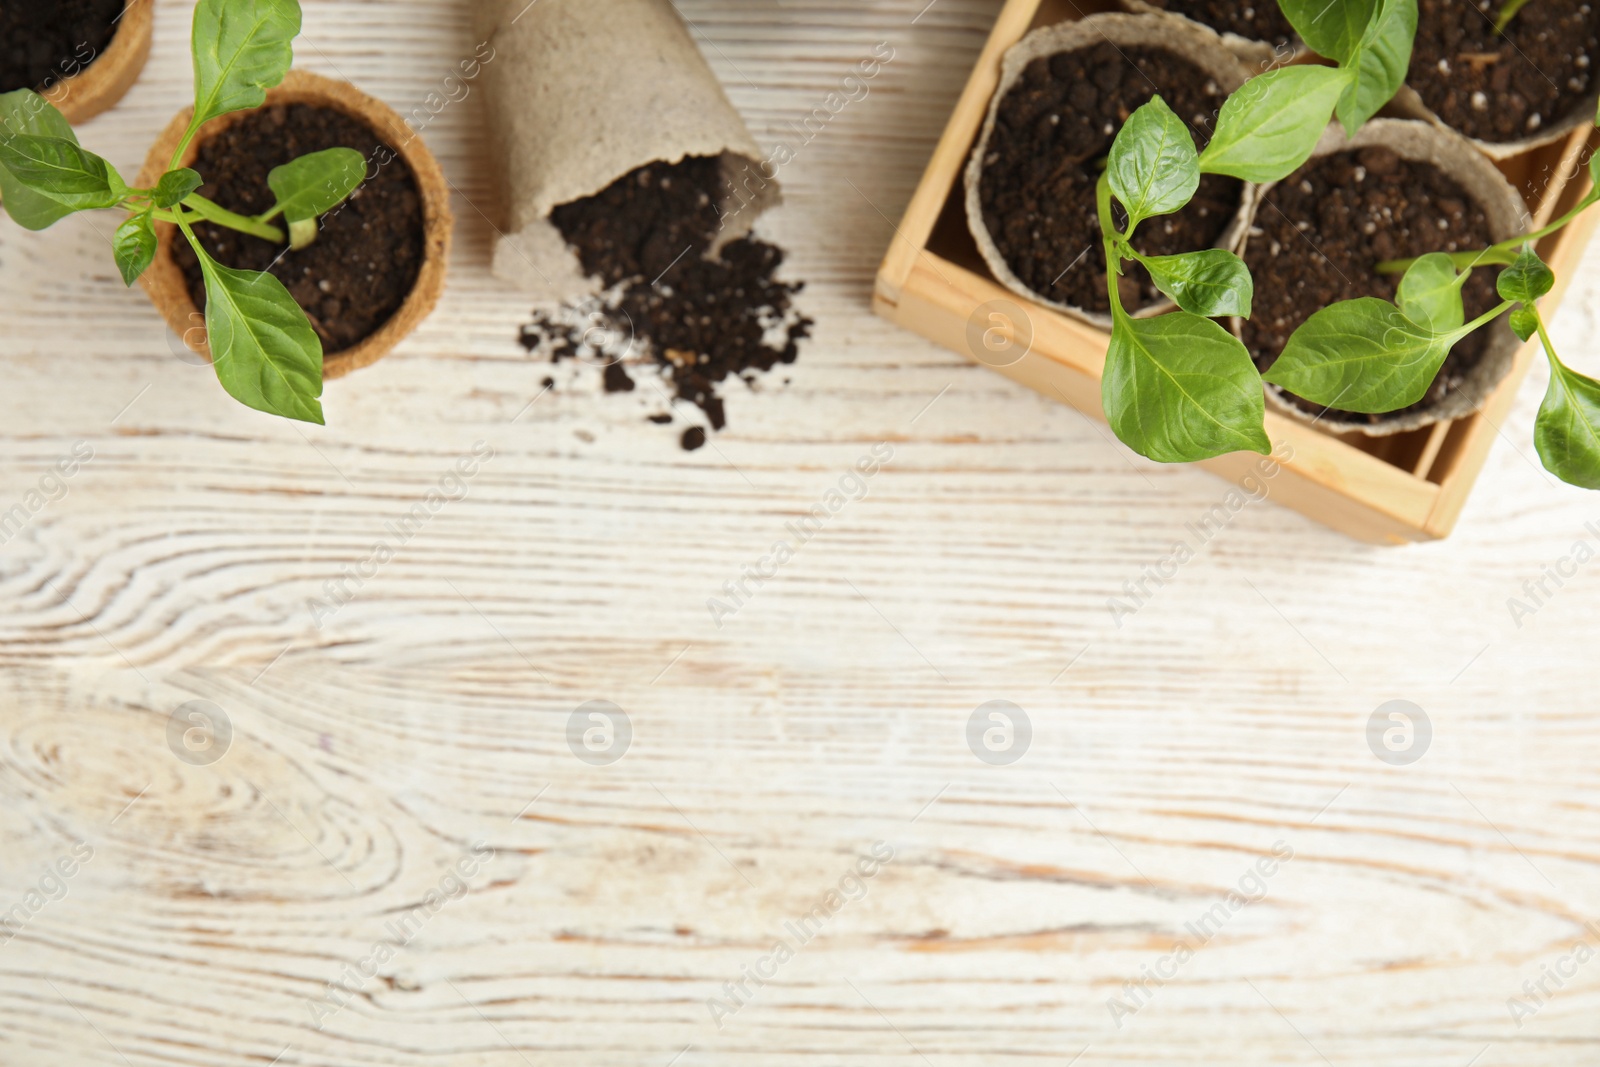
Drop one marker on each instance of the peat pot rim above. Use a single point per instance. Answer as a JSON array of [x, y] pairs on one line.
[[1480, 179], [163, 282], [1408, 102], [1185, 39], [110, 75], [1259, 55]]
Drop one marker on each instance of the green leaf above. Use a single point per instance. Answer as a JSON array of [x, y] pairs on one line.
[[174, 186], [1524, 323], [1214, 282], [1271, 123], [1179, 388], [1153, 167], [265, 352], [1332, 28], [311, 185], [1567, 431], [241, 48], [134, 245], [1526, 280], [59, 169], [1361, 355], [1430, 294], [316, 183], [1380, 62], [26, 112]]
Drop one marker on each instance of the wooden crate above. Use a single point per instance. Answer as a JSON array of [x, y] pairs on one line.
[[1387, 490]]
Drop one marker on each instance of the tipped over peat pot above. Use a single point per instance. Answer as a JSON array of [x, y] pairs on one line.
[[377, 267], [1255, 30], [1398, 189], [1065, 91], [1511, 91], [81, 55]]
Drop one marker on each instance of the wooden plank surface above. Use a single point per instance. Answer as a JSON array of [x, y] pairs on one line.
[[209, 907]]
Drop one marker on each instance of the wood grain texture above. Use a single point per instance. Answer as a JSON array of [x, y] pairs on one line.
[[1169, 753]]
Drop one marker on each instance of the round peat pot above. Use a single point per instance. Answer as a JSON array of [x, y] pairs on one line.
[[1531, 85], [377, 267], [1254, 30], [1398, 189], [103, 46], [1063, 95]]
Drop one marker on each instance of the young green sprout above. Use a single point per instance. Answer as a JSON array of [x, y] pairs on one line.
[[1178, 387], [263, 348], [1508, 11]]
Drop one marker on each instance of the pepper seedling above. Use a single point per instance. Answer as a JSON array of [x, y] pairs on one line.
[[1178, 387], [1370, 355], [264, 350]]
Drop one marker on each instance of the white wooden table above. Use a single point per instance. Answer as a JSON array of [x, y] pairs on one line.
[[1168, 756]]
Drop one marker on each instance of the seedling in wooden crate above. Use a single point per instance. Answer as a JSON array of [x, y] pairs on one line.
[[1382, 478], [265, 352], [1178, 387], [1373, 356]]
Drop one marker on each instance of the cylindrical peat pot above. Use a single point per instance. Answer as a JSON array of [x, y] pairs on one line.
[[1509, 92], [1255, 30], [1064, 93], [82, 55], [1398, 189], [377, 267]]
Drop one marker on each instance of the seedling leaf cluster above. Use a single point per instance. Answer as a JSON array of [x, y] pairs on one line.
[[1370, 355], [1178, 387], [264, 350]]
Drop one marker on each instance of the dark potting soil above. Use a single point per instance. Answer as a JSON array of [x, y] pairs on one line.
[[1053, 130], [1501, 88], [369, 251], [1259, 20], [1320, 232], [648, 238], [43, 41]]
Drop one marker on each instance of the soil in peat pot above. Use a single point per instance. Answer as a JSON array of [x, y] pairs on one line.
[[1500, 88], [1257, 20], [1051, 133], [1319, 233], [369, 251], [699, 319], [43, 41]]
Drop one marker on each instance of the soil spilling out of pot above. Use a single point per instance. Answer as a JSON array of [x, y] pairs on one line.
[[1257, 20], [698, 318], [1319, 233], [43, 41], [1052, 133], [1504, 87], [369, 250]]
